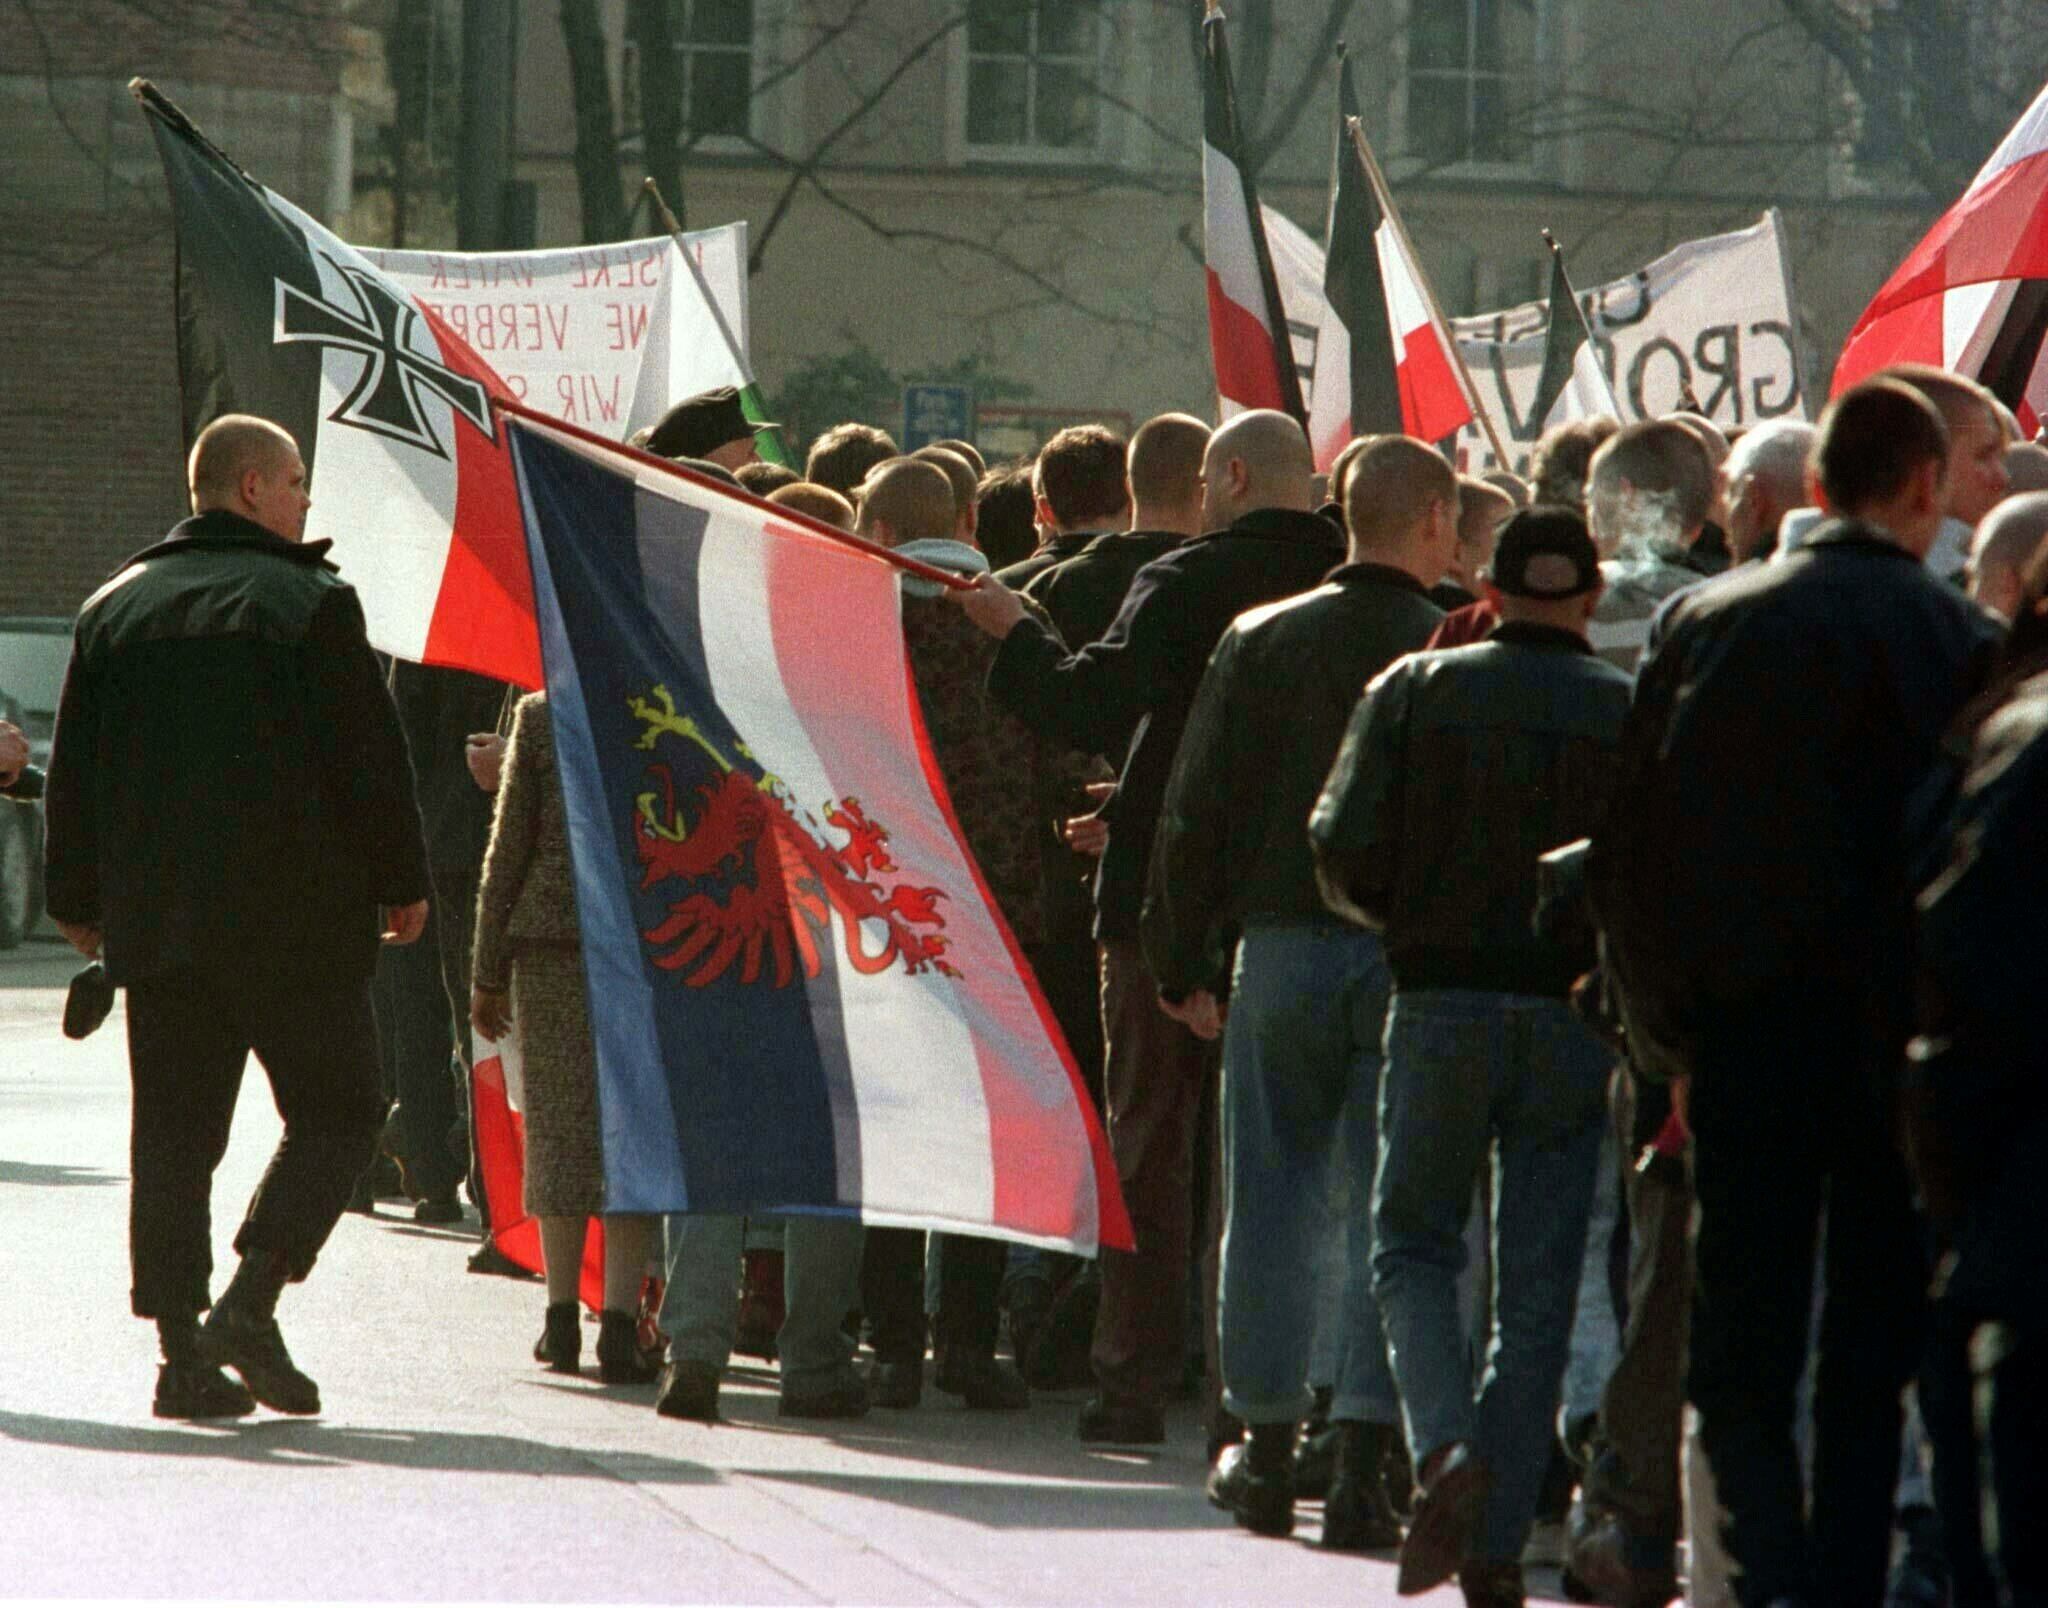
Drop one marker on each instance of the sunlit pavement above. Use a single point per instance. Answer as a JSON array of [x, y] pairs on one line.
[[449, 1466]]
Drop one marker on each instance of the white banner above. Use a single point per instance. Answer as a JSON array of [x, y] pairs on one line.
[[568, 329], [1712, 317]]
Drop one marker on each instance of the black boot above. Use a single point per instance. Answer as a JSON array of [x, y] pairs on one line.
[[620, 1361], [1254, 1480], [241, 1333], [1358, 1516], [560, 1345], [188, 1386]]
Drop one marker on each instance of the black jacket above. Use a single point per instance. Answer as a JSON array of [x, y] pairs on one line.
[[1084, 593], [1019, 576], [1755, 851], [1460, 769], [228, 785], [1233, 836], [1129, 693]]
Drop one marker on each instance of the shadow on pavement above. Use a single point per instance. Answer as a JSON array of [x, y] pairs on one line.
[[309, 1444], [43, 1175], [1019, 1504]]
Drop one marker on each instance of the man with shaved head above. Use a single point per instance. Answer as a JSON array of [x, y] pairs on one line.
[[2000, 551], [231, 829], [1233, 908], [1765, 479], [1128, 695], [1649, 492], [965, 480]]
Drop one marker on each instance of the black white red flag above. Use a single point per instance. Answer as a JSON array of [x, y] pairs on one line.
[[1972, 296], [1572, 384], [411, 478], [1248, 336]]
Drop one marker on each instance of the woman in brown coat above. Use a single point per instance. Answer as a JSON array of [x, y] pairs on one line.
[[529, 970]]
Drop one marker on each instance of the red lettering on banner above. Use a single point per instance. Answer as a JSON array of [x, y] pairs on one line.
[[596, 405], [530, 314], [440, 279], [461, 267], [558, 325], [486, 337], [565, 394], [650, 268], [458, 319], [603, 276], [507, 314], [517, 382]]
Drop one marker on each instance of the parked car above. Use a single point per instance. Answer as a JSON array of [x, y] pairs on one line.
[[33, 652]]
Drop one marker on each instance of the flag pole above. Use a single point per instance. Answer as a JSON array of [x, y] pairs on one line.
[[789, 516], [1356, 128], [750, 392]]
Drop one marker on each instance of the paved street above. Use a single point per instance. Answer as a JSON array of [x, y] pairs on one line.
[[448, 1466]]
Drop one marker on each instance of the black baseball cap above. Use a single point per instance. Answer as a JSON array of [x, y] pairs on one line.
[[701, 424], [1545, 552]]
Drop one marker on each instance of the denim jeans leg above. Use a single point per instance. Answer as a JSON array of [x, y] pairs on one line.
[[1596, 1335], [1326, 1267], [1365, 1379], [1549, 1113], [1440, 1047], [700, 1306], [820, 1285], [1283, 1081]]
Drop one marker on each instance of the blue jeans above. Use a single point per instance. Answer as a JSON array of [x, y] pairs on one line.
[[1470, 1072], [1301, 1075], [820, 1282]]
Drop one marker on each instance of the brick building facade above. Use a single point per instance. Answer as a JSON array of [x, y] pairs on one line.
[[90, 437]]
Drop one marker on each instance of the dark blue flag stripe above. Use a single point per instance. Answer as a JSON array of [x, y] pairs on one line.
[[727, 1076]]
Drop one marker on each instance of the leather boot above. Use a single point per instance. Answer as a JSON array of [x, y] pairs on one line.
[[1358, 1516], [1254, 1480]]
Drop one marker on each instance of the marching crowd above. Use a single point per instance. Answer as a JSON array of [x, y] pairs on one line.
[[1554, 956]]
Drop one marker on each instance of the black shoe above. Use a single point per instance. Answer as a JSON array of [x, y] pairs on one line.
[[1357, 1514], [689, 1390], [198, 1390], [489, 1259], [1253, 1481], [438, 1209], [254, 1348], [987, 1384], [1599, 1555], [560, 1345], [1116, 1421], [896, 1384], [620, 1361], [1454, 1488], [846, 1397], [1492, 1585]]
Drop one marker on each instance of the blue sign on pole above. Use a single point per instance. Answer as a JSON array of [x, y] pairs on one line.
[[937, 413]]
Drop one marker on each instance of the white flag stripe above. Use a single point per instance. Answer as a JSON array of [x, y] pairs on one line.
[[746, 677], [390, 515]]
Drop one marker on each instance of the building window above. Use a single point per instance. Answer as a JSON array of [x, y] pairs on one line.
[[715, 39], [1031, 74], [1880, 131], [1469, 65]]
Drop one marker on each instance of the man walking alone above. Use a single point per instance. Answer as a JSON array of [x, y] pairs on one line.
[[231, 827]]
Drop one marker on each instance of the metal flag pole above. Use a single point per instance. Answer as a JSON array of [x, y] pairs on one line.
[[750, 392], [1356, 128]]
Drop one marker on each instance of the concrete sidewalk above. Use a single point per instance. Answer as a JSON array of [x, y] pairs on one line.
[[449, 1466]]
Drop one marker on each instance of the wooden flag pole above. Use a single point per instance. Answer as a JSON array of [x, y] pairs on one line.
[[675, 229], [1356, 128]]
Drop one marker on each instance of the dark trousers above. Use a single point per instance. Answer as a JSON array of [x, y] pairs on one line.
[[418, 1033], [1157, 1080], [892, 1293], [189, 1036], [1788, 1116], [1643, 1407]]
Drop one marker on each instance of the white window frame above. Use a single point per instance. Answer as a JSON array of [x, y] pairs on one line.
[[961, 151], [766, 20]]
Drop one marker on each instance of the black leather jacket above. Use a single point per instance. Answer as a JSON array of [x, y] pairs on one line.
[[1127, 696], [1233, 835], [1460, 769], [229, 787]]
